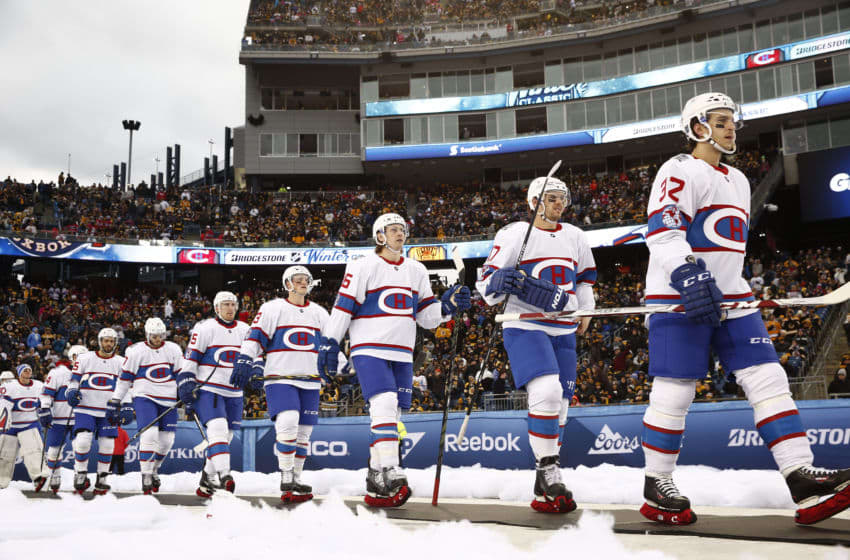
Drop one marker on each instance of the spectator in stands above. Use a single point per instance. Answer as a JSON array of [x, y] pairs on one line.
[[840, 384]]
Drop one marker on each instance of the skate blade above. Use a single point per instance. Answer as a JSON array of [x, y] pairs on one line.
[[559, 505], [396, 500], [825, 509], [230, 486], [301, 498], [199, 492], [286, 498], [40, 484], [100, 492], [666, 517]]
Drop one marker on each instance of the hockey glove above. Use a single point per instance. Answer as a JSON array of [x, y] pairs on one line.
[[700, 294], [113, 416], [546, 295], [187, 387], [73, 395], [127, 414], [328, 360], [455, 299], [257, 373], [505, 281], [45, 417], [241, 371]]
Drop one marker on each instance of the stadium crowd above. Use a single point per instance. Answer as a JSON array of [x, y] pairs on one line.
[[42, 321], [316, 217]]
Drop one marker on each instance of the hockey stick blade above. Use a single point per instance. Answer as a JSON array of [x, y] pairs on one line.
[[834, 297], [554, 169]]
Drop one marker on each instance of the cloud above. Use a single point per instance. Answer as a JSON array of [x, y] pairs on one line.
[[72, 71]]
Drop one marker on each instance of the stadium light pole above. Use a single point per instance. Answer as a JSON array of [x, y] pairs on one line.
[[131, 126]]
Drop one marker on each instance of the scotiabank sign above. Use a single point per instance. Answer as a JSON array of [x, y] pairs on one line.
[[764, 58]]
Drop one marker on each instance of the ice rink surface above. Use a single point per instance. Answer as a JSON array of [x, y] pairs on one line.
[[140, 527]]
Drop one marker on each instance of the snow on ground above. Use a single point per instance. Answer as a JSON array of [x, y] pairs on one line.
[[605, 484], [225, 528]]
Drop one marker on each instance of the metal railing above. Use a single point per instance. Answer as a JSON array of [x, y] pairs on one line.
[[838, 395], [806, 389]]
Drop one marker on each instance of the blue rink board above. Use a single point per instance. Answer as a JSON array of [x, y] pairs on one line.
[[720, 435]]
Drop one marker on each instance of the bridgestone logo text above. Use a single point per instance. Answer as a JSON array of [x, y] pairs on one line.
[[817, 436]]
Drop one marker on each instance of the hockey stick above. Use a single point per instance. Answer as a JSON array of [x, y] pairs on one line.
[[204, 442], [167, 410], [839, 295], [490, 342], [461, 278]]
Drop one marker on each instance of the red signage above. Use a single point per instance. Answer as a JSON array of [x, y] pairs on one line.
[[197, 256], [764, 58]]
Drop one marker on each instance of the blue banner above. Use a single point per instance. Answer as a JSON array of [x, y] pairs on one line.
[[720, 435], [582, 90], [826, 193]]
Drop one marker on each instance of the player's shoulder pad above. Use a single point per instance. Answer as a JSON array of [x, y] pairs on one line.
[[243, 324], [512, 227], [681, 158]]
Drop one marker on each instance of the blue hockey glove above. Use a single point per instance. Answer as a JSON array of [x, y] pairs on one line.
[[700, 294], [257, 373], [127, 414], [505, 281], [187, 387], [45, 417], [113, 407], [73, 395], [457, 298], [545, 295], [328, 360], [241, 371]]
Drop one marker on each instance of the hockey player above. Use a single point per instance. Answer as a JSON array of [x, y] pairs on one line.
[[151, 368], [383, 297], [21, 399], [557, 273], [56, 415], [285, 331], [203, 384], [92, 382], [700, 206]]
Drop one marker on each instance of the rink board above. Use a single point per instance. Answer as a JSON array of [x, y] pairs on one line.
[[773, 528]]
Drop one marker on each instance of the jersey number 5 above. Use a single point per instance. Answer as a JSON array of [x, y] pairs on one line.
[[671, 191], [346, 281]]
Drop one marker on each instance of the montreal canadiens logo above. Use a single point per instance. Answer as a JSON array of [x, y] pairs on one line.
[[727, 227], [101, 381], [299, 339], [396, 301], [558, 271], [27, 404], [158, 374], [226, 356]]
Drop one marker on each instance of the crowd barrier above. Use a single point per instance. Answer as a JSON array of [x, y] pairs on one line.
[[720, 435]]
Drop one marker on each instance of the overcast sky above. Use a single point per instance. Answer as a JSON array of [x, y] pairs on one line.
[[71, 71]]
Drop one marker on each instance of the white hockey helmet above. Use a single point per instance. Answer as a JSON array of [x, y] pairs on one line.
[[106, 332], [385, 220], [292, 271], [77, 349], [223, 296], [6, 376], [552, 185], [699, 106], [154, 326]]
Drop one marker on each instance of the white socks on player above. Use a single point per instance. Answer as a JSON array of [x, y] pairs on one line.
[[562, 421], [664, 422], [304, 433], [82, 447], [383, 410], [776, 416], [218, 447], [105, 448], [286, 430], [545, 404], [164, 443]]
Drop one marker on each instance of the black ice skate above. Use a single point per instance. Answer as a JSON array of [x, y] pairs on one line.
[[664, 503], [205, 486], [81, 482], [550, 494], [39, 483], [55, 482], [301, 492], [100, 485], [287, 486], [155, 482], [819, 493], [227, 483], [387, 487], [147, 483]]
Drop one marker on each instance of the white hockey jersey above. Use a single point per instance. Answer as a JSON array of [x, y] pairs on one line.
[[562, 256], [53, 394], [152, 372], [383, 301], [698, 209], [22, 402], [96, 378], [287, 335], [212, 350]]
